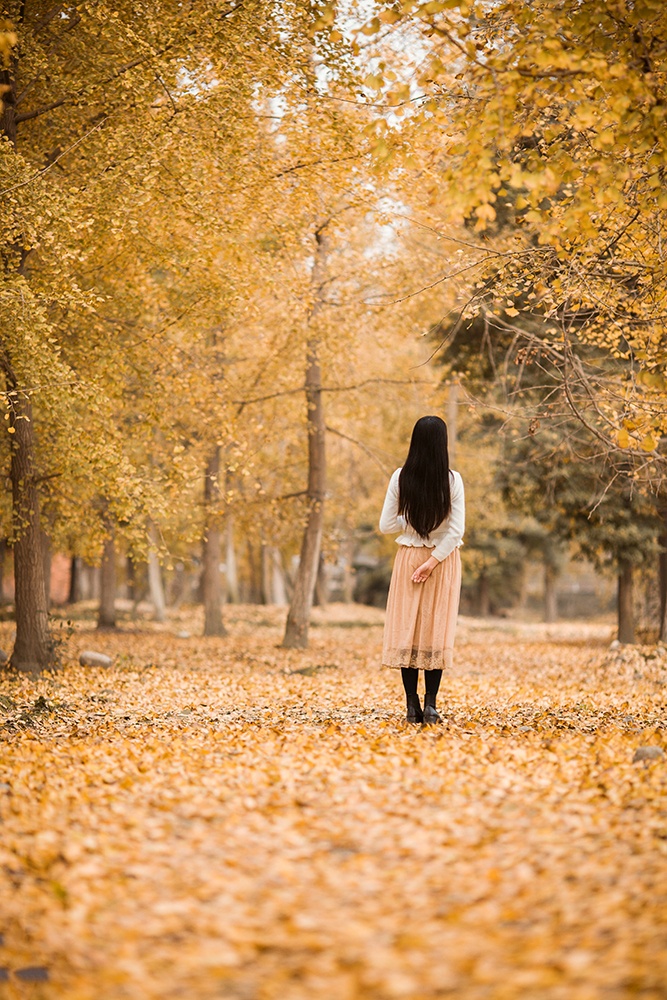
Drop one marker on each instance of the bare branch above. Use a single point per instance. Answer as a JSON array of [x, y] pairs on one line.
[[48, 17], [120, 71], [40, 173], [332, 388], [359, 444], [314, 163]]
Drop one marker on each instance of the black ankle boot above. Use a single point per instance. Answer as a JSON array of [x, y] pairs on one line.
[[431, 715], [415, 713]]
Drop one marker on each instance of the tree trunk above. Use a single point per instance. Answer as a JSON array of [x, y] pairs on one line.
[[523, 591], [178, 584], [279, 578], [550, 597], [298, 618], [107, 614], [155, 585], [452, 421], [347, 551], [131, 579], [74, 594], [626, 626], [211, 549], [33, 648], [662, 573], [8, 104], [266, 574], [3, 554], [86, 581], [46, 559], [231, 572], [321, 595], [274, 590], [483, 600], [252, 589], [92, 586]]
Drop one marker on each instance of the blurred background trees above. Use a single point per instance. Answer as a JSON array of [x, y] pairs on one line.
[[245, 245]]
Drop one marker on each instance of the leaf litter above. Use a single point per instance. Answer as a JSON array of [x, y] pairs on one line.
[[224, 818]]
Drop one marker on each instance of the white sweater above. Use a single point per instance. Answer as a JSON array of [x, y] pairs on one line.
[[445, 538]]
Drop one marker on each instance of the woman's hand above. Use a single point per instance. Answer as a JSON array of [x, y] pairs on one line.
[[424, 571]]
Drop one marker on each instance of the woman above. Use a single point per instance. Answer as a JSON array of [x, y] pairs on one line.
[[425, 502]]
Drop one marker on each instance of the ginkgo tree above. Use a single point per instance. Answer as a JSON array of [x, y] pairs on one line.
[[88, 146], [145, 176], [553, 115]]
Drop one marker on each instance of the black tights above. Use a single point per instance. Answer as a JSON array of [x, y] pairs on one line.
[[431, 681]]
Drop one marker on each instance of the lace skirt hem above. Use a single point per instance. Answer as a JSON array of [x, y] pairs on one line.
[[418, 659]]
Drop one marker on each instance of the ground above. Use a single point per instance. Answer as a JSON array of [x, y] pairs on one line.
[[220, 818]]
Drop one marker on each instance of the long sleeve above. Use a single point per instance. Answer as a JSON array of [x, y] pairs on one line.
[[390, 520], [456, 522]]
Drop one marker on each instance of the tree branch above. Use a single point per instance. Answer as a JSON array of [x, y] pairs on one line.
[[362, 447], [314, 163], [40, 111], [140, 60], [40, 173], [48, 17], [332, 388]]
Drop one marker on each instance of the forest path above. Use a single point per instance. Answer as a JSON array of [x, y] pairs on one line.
[[222, 818]]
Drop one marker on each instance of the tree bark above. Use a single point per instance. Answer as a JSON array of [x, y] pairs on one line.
[[626, 625], [550, 596], [452, 421], [483, 600], [33, 648], [3, 554], [131, 579], [662, 573], [298, 618], [231, 572], [8, 105], [155, 585], [347, 550], [523, 591], [212, 549], [321, 595], [85, 584], [46, 559], [274, 590], [107, 614], [75, 571], [253, 590], [177, 587], [265, 573], [279, 583]]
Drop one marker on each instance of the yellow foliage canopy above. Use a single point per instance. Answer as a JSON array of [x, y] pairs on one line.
[[546, 125]]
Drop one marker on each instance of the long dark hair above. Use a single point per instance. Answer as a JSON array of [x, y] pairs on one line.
[[424, 491]]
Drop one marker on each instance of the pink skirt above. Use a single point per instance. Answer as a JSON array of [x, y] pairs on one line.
[[421, 617]]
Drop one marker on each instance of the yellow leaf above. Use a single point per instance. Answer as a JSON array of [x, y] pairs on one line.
[[373, 81]]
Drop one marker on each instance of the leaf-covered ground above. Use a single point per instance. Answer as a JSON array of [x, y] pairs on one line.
[[225, 819]]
